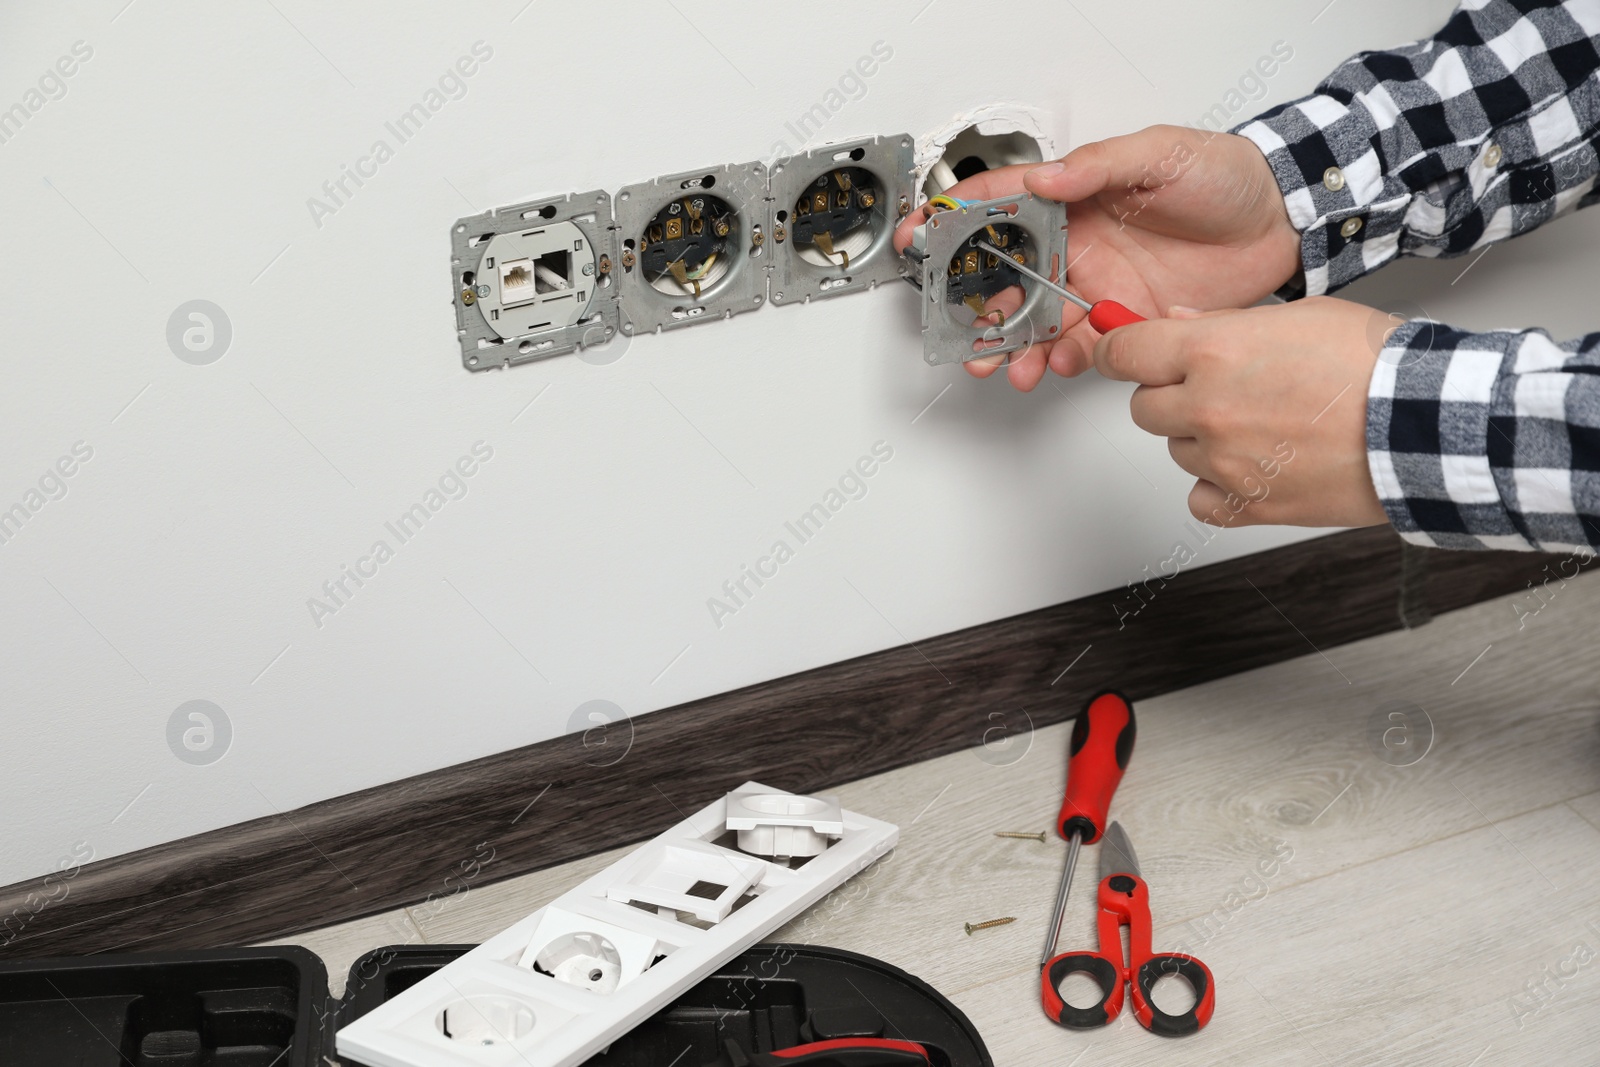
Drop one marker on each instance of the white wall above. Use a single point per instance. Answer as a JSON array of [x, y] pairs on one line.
[[219, 498]]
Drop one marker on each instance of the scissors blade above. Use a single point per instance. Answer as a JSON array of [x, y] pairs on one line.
[[1116, 853]]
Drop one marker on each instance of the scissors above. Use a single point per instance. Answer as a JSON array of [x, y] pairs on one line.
[[1125, 901]]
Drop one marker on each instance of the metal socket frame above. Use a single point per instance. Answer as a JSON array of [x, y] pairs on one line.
[[891, 160], [482, 346], [945, 339], [645, 308]]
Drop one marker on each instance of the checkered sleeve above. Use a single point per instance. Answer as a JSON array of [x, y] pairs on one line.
[[1487, 440], [1442, 146]]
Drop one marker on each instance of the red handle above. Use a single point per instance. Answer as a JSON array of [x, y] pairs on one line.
[[1102, 741], [1107, 315], [1125, 901], [849, 1052]]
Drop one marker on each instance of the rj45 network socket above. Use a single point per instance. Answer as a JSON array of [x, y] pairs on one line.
[[834, 211], [534, 280], [958, 278], [691, 247]]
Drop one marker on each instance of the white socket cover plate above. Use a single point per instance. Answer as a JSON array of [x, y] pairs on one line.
[[571, 1023]]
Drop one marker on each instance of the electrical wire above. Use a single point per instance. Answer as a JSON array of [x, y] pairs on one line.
[[705, 266]]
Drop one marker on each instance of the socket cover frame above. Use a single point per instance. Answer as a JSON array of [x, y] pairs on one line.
[[571, 1023]]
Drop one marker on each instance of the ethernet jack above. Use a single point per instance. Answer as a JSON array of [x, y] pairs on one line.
[[534, 280]]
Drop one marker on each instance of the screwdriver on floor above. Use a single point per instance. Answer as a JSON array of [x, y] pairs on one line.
[[1104, 315], [1102, 741]]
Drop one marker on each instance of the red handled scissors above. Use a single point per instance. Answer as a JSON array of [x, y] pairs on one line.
[[1125, 901]]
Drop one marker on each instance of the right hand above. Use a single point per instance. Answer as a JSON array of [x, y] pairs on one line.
[[1163, 217]]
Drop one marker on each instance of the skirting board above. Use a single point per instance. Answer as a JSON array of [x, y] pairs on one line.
[[335, 860]]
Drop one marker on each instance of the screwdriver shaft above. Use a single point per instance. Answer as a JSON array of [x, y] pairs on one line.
[[1054, 933], [1040, 278]]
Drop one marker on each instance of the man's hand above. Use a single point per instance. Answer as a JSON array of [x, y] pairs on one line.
[[1267, 407], [1165, 216]]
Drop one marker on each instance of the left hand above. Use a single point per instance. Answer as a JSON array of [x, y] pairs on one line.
[[1267, 407]]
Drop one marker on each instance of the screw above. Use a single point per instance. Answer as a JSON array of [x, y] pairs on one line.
[[627, 258], [905, 207], [468, 297], [588, 268], [779, 233], [673, 208], [986, 925], [483, 290], [605, 264], [756, 238], [867, 199], [722, 228], [1020, 835]]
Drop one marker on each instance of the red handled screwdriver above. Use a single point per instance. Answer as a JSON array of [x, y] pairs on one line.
[[1104, 315], [1102, 741]]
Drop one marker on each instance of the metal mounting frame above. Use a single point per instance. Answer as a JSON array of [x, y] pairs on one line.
[[484, 347], [945, 339], [743, 186], [891, 159]]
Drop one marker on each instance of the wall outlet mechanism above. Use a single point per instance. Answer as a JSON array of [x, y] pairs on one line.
[[958, 278], [534, 280], [564, 983], [692, 247], [782, 824], [834, 210]]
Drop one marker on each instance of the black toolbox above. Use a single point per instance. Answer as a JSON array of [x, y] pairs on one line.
[[270, 1007]]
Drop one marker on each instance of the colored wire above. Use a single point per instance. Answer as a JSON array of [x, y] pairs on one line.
[[705, 266]]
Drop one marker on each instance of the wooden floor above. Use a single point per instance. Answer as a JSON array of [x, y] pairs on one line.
[[1446, 912]]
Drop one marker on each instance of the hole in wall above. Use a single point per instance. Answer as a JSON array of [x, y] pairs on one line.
[[971, 152]]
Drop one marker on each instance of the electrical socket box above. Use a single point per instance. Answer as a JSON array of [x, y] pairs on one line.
[[561, 985], [693, 247], [534, 280], [957, 276], [834, 211]]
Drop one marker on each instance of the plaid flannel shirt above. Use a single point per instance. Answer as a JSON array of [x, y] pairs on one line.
[[1440, 148]]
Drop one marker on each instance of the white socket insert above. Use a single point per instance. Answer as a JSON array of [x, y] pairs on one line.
[[782, 824]]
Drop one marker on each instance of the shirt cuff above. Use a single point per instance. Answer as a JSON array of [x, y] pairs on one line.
[[1349, 213], [1430, 404]]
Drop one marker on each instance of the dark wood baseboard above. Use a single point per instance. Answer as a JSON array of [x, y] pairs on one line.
[[398, 843]]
